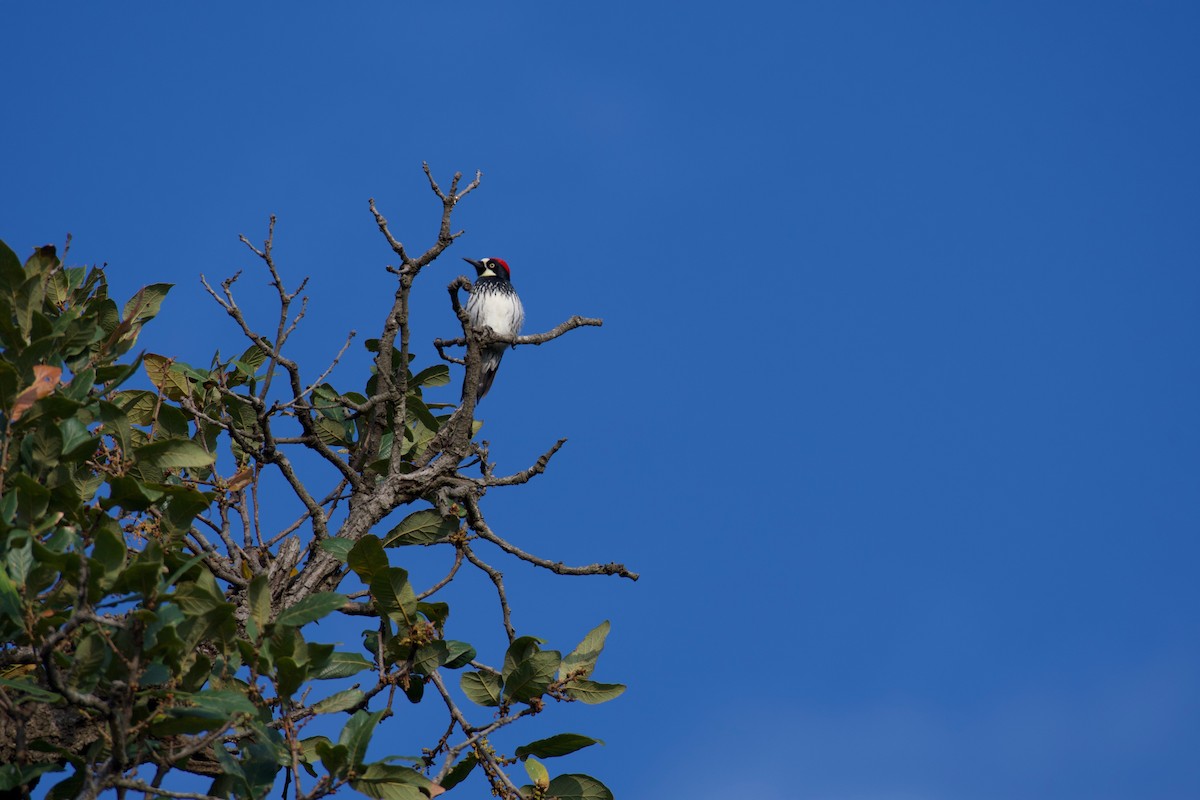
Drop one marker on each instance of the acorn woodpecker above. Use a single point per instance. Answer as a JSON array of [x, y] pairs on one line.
[[494, 304]]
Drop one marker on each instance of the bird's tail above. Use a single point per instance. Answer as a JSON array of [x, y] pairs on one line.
[[491, 365]]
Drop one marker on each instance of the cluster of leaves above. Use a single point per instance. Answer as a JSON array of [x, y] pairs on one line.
[[137, 627]]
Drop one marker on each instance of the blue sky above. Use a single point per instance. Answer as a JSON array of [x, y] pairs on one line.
[[895, 402]]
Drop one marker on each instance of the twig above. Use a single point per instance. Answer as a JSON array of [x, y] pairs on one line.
[[458, 557], [498, 580], [321, 378], [479, 526], [494, 771], [142, 786], [532, 338], [526, 475]]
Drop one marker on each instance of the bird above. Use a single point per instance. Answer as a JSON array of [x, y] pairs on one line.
[[493, 304]]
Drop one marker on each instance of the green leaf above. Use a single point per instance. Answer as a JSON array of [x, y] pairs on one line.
[[10, 601], [458, 654], [157, 673], [311, 608], [130, 494], [435, 613], [209, 711], [289, 674], [184, 504], [459, 772], [335, 758], [482, 688], [532, 676], [67, 788], [417, 411], [366, 558], [521, 648], [391, 782], [308, 752], [58, 290], [241, 415], [173, 454], [560, 745], [339, 546], [340, 665], [109, 550], [341, 701], [8, 505], [143, 575], [223, 702], [116, 424], [253, 357], [76, 438], [421, 527], [138, 405], [199, 597], [580, 662], [308, 747], [183, 569], [144, 305], [31, 689], [32, 497], [578, 787], [14, 775], [394, 595], [356, 734], [115, 375], [19, 558], [172, 384], [171, 423], [430, 656], [259, 594], [421, 436], [333, 433], [537, 772], [590, 692], [437, 375], [43, 448], [81, 384], [89, 661], [42, 259], [11, 273], [257, 764]]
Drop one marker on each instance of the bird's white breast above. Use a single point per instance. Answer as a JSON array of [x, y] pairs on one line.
[[499, 310]]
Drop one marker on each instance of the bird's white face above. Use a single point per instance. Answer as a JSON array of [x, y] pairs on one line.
[[489, 267]]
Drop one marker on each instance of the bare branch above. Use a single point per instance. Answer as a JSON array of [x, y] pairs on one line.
[[382, 222], [441, 345], [479, 526], [321, 378], [526, 475], [487, 758], [498, 581], [142, 786], [458, 558], [489, 337], [329, 499]]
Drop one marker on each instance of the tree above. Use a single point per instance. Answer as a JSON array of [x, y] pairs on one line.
[[153, 621]]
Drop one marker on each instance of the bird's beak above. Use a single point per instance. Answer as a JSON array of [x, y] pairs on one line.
[[476, 264]]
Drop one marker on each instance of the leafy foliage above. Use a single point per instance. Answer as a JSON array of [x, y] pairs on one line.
[[150, 617]]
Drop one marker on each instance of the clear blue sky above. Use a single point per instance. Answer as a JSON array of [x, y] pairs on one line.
[[895, 404]]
